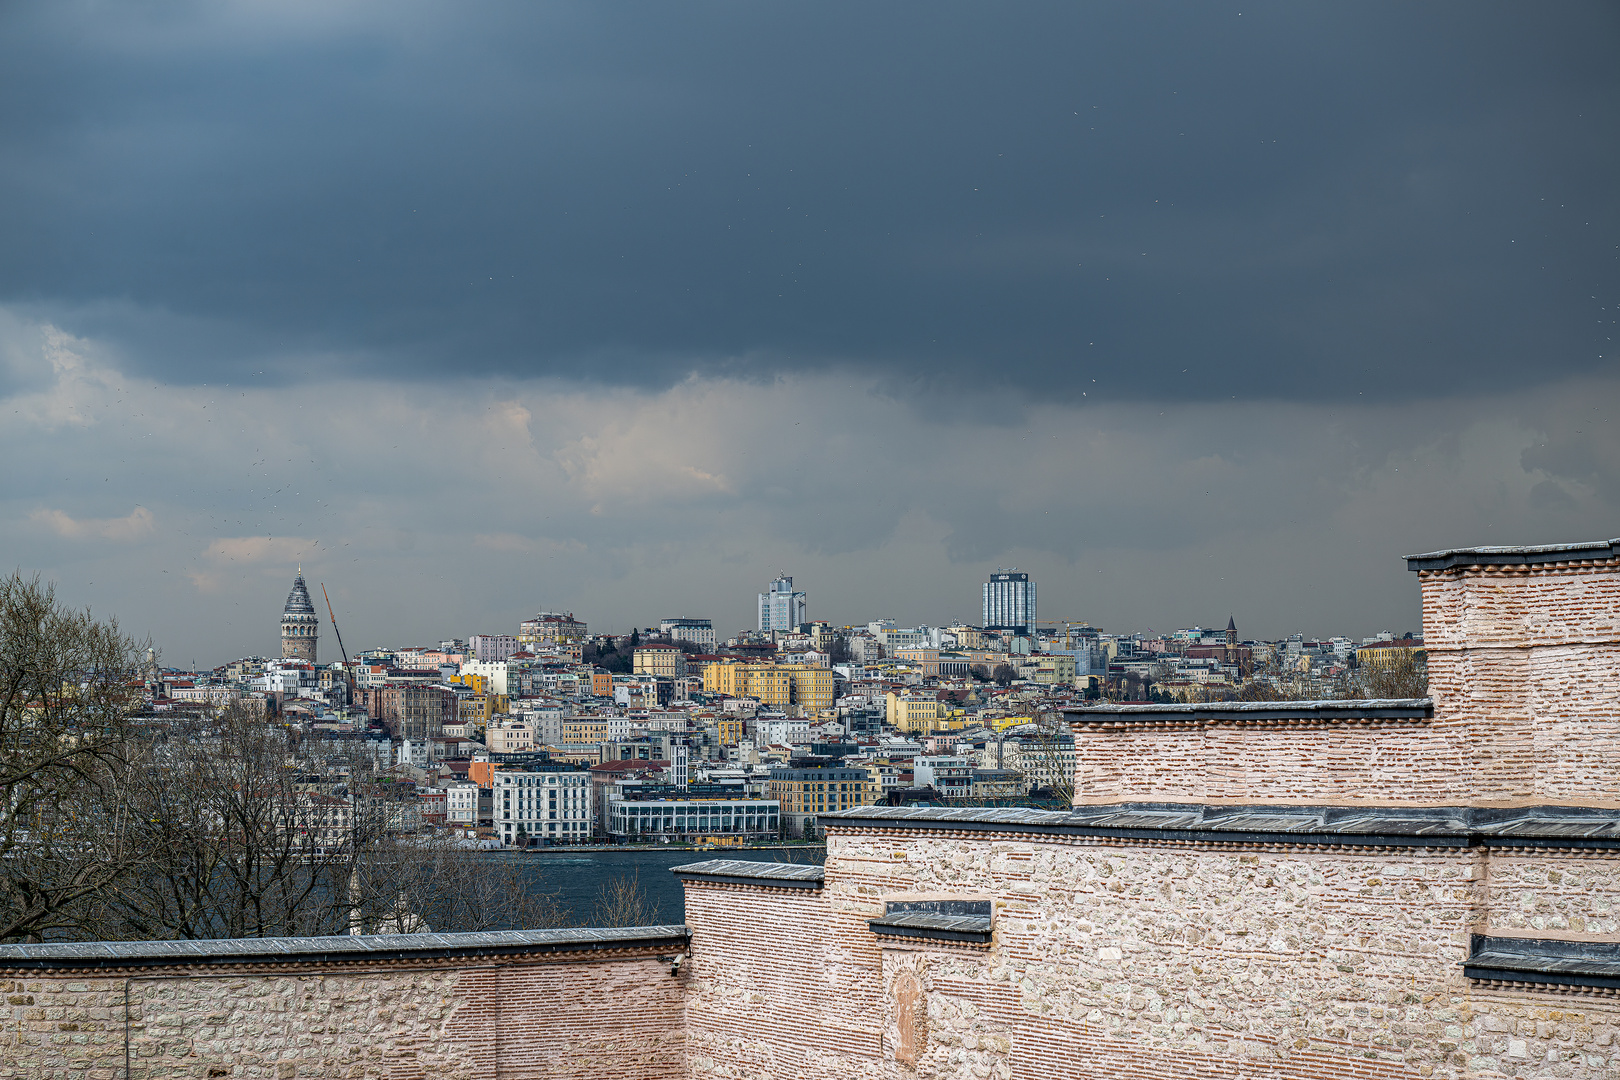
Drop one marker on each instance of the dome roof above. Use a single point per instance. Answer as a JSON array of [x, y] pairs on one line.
[[298, 602]]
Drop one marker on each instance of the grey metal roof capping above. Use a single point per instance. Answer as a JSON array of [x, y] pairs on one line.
[[1514, 556], [1542, 960], [971, 929], [1368, 826], [745, 872], [1369, 708], [343, 949]]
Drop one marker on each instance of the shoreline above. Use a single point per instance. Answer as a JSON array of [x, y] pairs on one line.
[[650, 849]]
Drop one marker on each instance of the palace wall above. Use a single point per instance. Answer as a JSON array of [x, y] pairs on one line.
[[594, 1003], [1420, 888], [1524, 677], [1149, 960]]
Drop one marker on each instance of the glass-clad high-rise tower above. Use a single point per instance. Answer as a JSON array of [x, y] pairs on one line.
[[1009, 602], [781, 608]]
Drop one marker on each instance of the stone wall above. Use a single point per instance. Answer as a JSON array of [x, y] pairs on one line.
[[1144, 960], [600, 1004]]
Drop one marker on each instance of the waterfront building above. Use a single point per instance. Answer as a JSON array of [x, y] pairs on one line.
[[804, 793], [542, 803], [670, 812]]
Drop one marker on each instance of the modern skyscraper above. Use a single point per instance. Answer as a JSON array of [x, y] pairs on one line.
[[782, 608], [1009, 602], [300, 626]]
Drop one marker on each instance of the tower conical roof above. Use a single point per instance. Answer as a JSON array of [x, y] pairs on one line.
[[1231, 622], [298, 601]]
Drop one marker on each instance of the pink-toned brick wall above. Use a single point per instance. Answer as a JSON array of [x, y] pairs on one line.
[[1524, 669]]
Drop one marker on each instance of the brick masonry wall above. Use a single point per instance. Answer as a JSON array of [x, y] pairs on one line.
[[780, 986], [620, 1019], [1524, 669], [1310, 762], [1140, 961]]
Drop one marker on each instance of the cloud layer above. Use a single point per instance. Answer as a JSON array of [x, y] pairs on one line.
[[461, 508], [478, 310], [1168, 202]]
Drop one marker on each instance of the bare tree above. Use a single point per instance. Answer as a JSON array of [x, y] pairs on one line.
[[1405, 676], [229, 846], [67, 685], [435, 882], [622, 901], [1047, 759]]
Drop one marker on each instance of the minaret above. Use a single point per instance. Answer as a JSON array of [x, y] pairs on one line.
[[300, 626]]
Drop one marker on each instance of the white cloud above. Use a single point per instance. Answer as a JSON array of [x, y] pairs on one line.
[[138, 524]]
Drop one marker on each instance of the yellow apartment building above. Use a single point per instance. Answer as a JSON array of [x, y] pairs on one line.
[[917, 713], [664, 660], [585, 729]]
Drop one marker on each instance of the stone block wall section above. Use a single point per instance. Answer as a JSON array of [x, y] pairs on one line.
[[1523, 652], [571, 1003], [1143, 958]]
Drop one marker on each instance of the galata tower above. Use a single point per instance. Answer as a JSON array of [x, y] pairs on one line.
[[300, 626]]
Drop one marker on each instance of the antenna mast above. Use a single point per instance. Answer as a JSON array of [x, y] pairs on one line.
[[347, 670]]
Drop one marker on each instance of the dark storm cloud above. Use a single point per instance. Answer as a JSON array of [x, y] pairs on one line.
[[1174, 200]]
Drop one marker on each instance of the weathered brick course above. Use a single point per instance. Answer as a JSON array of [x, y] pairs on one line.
[[1524, 670]]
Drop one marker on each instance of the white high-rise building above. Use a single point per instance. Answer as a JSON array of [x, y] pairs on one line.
[[782, 608], [1009, 602]]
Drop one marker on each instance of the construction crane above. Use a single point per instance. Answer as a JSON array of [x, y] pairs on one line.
[[347, 670], [1068, 625]]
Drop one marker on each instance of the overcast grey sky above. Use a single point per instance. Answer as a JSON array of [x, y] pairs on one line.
[[1188, 309]]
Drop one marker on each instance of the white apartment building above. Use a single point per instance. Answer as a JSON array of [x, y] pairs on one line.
[[461, 805], [492, 670], [552, 806], [950, 776], [788, 731]]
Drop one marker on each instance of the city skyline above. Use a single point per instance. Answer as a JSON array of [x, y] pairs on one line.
[[475, 312]]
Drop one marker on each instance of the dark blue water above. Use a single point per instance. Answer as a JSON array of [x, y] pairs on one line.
[[577, 877]]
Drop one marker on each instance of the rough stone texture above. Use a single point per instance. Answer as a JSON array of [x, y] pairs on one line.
[[1135, 960], [1560, 895], [618, 1018], [1524, 670]]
